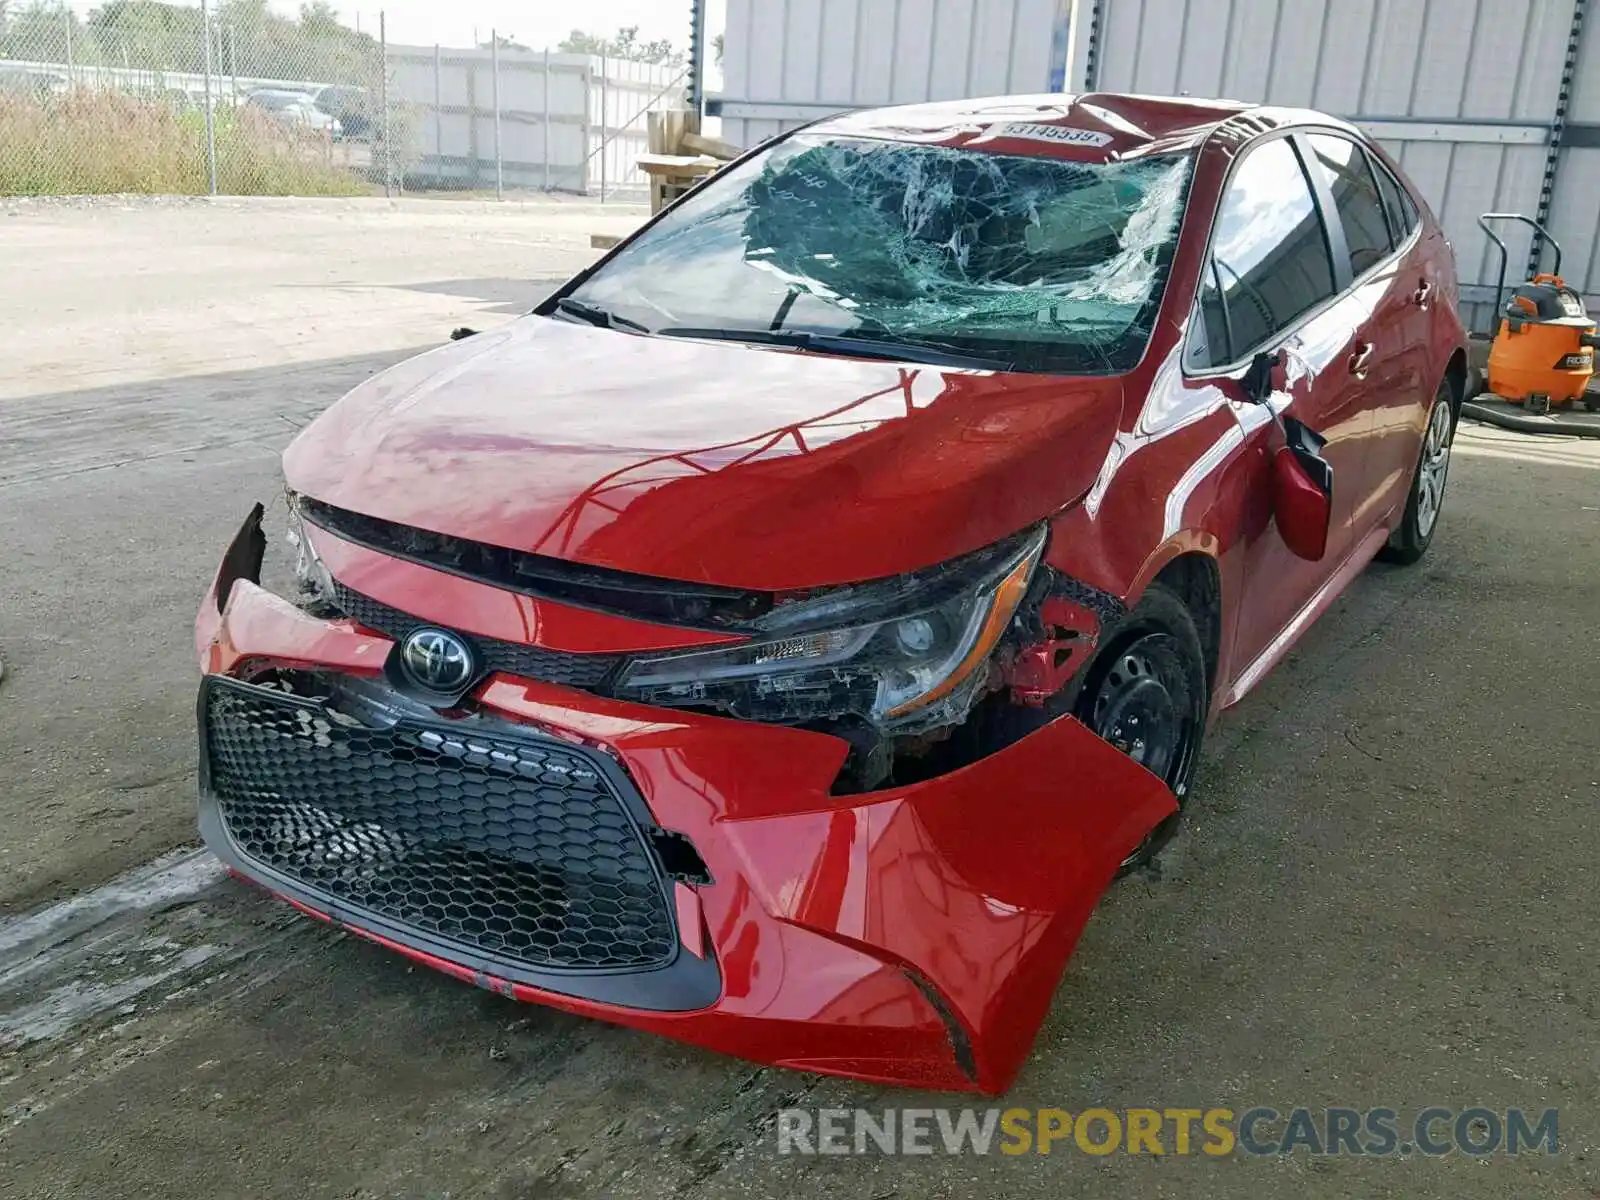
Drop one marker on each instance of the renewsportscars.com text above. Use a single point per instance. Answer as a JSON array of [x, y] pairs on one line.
[[1433, 1131]]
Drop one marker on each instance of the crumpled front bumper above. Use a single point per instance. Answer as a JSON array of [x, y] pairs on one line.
[[913, 935]]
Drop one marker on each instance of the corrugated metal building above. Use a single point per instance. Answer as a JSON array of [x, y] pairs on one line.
[[1487, 105]]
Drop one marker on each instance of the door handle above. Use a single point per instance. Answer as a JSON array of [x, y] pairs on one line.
[[1361, 360], [1423, 294]]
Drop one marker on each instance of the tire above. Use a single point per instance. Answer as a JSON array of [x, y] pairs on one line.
[[1146, 693], [1411, 538]]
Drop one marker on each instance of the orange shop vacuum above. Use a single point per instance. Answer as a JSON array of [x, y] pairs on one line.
[[1543, 352]]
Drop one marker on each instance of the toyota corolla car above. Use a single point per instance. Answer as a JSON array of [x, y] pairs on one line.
[[781, 637]]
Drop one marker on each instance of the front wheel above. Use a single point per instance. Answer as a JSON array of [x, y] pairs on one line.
[[1411, 537], [1145, 693]]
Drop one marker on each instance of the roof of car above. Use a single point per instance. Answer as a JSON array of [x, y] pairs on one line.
[[1095, 124]]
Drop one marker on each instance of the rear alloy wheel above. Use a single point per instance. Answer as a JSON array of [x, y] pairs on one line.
[[1409, 541], [1146, 695]]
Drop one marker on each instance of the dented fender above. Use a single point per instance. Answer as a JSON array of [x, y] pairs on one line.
[[981, 900]]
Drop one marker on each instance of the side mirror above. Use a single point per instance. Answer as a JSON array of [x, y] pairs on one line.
[[1302, 491], [1261, 377]]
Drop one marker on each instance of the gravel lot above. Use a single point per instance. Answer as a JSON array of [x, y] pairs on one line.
[[1385, 895]]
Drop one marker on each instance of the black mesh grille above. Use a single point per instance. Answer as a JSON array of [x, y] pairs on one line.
[[589, 671], [513, 847]]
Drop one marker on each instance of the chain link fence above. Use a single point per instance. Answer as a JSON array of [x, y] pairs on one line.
[[231, 98]]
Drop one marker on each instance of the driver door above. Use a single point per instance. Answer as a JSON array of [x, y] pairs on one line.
[[1272, 284]]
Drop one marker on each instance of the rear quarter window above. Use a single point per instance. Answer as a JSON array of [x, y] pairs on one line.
[[1355, 194], [1397, 202]]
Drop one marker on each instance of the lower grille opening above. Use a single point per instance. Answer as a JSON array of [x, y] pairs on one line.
[[514, 846]]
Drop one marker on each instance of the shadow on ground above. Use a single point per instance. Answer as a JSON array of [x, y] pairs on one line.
[[1383, 897]]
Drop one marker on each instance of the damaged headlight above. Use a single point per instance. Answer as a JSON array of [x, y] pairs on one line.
[[900, 653], [313, 582]]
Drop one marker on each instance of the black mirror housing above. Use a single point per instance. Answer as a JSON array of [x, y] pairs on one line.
[[1258, 381]]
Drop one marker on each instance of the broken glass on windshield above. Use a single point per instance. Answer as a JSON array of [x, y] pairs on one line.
[[1047, 264]]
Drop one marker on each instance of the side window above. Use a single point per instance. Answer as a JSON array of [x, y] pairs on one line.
[[1355, 194], [1396, 202], [1268, 250]]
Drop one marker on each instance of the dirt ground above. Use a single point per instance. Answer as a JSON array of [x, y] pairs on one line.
[[1385, 894]]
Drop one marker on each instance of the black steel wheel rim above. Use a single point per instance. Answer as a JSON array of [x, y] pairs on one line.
[[1146, 704]]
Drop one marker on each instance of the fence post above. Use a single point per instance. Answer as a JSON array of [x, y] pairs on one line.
[[211, 127], [494, 91], [438, 112], [66, 18], [383, 75], [603, 123], [547, 118]]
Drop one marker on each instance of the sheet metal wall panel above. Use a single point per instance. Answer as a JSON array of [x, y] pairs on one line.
[[1205, 33], [1575, 220], [1248, 55], [1297, 56], [1493, 80], [875, 52], [1346, 54], [1586, 85], [1396, 53], [912, 79], [767, 49], [1575, 208], [950, 62], [836, 56], [852, 53], [802, 34], [993, 47], [1156, 58]]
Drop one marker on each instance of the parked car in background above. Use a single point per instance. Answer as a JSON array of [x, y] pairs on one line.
[[351, 107], [296, 110], [781, 637]]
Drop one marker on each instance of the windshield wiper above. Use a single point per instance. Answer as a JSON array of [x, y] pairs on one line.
[[847, 344], [596, 315]]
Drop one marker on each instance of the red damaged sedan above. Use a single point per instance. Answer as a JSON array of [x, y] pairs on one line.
[[781, 638]]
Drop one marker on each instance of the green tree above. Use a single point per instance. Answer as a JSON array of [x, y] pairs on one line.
[[320, 19], [506, 42], [148, 35], [43, 31], [625, 44]]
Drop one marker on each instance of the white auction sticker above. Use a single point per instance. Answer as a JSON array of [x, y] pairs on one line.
[[1059, 134]]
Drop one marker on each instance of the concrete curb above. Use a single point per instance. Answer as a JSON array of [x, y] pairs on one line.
[[1506, 419]]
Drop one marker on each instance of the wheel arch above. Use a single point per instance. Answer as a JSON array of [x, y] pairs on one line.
[[1455, 374], [1188, 567]]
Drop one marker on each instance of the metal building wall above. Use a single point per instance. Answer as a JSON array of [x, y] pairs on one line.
[[1463, 93], [1575, 207], [786, 62]]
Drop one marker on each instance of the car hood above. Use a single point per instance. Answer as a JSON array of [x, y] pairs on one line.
[[712, 462]]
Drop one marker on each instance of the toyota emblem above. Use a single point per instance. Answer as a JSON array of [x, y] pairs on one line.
[[437, 660]]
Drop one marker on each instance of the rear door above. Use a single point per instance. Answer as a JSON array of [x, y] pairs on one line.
[[1272, 283], [1389, 294]]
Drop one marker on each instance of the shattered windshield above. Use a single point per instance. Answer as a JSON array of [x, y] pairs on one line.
[[1033, 263]]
